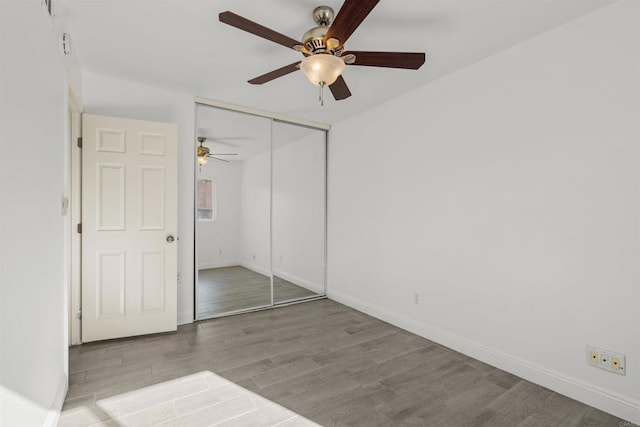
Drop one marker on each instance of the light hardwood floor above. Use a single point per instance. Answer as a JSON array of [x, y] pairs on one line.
[[317, 362], [225, 289]]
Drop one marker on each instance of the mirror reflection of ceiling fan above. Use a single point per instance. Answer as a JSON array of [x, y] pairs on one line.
[[323, 47], [204, 154]]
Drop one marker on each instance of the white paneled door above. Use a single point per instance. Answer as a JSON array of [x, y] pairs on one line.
[[129, 225]]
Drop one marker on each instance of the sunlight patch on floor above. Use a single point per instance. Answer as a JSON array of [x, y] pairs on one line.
[[202, 399]]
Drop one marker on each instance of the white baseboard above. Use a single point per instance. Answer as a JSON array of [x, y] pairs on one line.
[[185, 317], [311, 286], [605, 400], [53, 415], [218, 264], [255, 267]]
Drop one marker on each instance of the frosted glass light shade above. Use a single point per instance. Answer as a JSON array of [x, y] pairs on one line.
[[322, 68], [202, 160]]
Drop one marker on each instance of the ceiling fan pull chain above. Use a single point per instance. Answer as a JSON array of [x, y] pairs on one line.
[[321, 97]]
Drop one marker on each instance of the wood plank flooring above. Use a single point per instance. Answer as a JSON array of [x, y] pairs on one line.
[[225, 289], [313, 363]]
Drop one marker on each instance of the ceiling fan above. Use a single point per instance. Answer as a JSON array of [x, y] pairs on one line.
[[204, 154], [323, 47]]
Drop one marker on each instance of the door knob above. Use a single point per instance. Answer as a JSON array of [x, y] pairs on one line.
[[170, 239]]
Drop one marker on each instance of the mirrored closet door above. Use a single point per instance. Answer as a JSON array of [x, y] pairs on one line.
[[233, 197], [260, 212], [298, 211]]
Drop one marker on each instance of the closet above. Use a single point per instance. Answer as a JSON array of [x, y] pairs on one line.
[[260, 210]]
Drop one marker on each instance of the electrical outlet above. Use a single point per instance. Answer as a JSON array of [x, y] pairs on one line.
[[618, 364], [416, 298], [179, 278], [606, 359], [615, 363]]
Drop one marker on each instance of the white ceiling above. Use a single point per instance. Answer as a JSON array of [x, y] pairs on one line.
[[181, 45]]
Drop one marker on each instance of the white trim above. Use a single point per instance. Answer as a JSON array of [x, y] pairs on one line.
[[256, 268], [261, 113], [74, 215], [218, 264], [53, 415], [185, 317], [264, 307], [194, 213], [272, 292], [605, 400], [311, 286]]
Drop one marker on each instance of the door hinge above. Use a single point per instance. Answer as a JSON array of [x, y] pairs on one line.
[[79, 314], [80, 142], [79, 228]]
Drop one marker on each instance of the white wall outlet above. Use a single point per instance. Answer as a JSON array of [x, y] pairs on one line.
[[618, 364], [593, 356], [606, 359], [416, 298], [179, 278]]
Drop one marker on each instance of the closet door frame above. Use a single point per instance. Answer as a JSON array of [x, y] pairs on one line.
[[274, 117]]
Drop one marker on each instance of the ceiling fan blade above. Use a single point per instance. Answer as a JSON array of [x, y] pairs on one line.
[[408, 60], [275, 74], [339, 89], [230, 138], [244, 24], [228, 144], [222, 154], [349, 17], [215, 158]]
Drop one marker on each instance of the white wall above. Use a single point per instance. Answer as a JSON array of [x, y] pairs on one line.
[[506, 195], [33, 178], [114, 97], [219, 241]]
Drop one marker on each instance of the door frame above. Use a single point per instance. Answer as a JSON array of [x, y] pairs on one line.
[[73, 243], [273, 117]]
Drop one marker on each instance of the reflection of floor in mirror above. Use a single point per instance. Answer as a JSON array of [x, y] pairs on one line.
[[225, 289]]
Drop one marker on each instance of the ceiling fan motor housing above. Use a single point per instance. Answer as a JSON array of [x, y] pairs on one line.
[[202, 150], [313, 40]]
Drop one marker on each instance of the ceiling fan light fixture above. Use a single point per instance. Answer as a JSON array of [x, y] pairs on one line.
[[203, 152], [322, 69]]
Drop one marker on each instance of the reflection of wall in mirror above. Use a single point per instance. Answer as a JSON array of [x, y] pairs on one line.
[[255, 213], [244, 187]]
